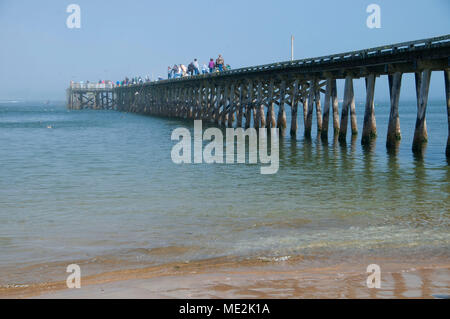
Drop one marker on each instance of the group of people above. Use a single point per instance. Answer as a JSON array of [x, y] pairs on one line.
[[193, 68], [133, 80], [176, 71]]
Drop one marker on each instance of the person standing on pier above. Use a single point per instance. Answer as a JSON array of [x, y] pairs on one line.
[[204, 69], [220, 62], [191, 68], [211, 65], [183, 70], [176, 71], [169, 72], [196, 67]]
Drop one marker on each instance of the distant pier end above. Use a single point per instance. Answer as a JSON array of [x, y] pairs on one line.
[[90, 96]]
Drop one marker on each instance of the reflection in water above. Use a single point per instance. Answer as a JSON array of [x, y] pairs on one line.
[[392, 149], [399, 284]]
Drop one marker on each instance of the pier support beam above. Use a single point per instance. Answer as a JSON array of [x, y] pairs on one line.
[[294, 110], [370, 126], [262, 114], [225, 104], [335, 106], [318, 110], [240, 106], [394, 134], [418, 81], [281, 121], [218, 104], [447, 96], [326, 112], [310, 108], [270, 122], [248, 116], [420, 133], [257, 108], [349, 99], [354, 123], [231, 107]]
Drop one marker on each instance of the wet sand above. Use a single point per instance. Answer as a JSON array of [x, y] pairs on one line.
[[226, 278]]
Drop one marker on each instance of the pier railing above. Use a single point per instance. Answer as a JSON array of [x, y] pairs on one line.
[[91, 86], [385, 50]]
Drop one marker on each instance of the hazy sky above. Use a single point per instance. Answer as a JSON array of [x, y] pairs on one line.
[[39, 55]]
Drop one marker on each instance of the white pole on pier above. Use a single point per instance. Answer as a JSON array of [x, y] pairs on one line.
[[292, 48]]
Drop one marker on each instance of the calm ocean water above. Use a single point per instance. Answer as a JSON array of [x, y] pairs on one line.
[[99, 188]]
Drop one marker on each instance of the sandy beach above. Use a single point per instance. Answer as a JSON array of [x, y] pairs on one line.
[[223, 278]]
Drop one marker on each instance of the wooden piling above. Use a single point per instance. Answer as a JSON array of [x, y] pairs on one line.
[[294, 109], [218, 104], [369, 127], [281, 120], [231, 107], [310, 109], [240, 106], [318, 110], [354, 123], [224, 117], [249, 106], [418, 82], [420, 133], [348, 98], [326, 111], [394, 133], [270, 122], [447, 95], [259, 115]]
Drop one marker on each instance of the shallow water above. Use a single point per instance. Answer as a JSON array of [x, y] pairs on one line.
[[99, 188]]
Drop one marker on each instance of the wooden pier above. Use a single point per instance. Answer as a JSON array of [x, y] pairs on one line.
[[258, 96], [96, 96]]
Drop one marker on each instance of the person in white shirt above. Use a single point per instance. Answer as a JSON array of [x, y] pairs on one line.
[[183, 70], [196, 67]]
